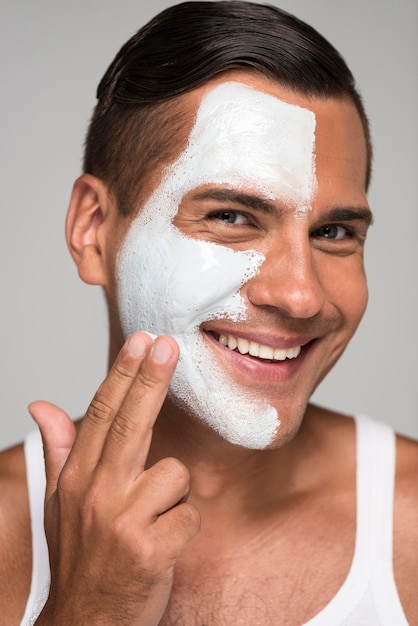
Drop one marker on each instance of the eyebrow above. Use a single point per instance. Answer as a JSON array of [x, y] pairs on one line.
[[348, 214], [252, 201], [258, 203]]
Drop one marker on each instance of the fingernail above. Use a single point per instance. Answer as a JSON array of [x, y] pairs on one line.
[[161, 350], [136, 346]]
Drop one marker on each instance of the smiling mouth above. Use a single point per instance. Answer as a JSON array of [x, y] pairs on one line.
[[261, 351]]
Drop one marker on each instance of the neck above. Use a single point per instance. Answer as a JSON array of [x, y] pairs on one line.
[[227, 474]]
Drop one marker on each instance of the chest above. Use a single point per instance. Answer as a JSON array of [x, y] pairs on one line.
[[269, 580]]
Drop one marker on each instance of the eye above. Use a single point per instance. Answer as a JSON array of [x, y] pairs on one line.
[[333, 231], [231, 217]]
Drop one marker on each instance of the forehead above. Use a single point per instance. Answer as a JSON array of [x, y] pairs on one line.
[[253, 133]]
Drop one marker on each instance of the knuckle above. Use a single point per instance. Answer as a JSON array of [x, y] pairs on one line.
[[123, 426], [145, 547], [96, 509], [121, 373], [90, 512], [118, 527], [99, 410], [147, 380], [190, 516], [93, 499], [173, 468], [147, 552]]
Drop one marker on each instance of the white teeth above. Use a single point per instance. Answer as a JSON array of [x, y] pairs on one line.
[[257, 349], [280, 354], [232, 342], [243, 345], [254, 348], [223, 340], [265, 352]]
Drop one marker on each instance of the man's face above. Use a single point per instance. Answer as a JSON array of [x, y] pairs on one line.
[[249, 253]]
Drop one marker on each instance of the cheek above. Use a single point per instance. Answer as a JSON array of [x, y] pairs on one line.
[[110, 251], [360, 299], [346, 288], [169, 284]]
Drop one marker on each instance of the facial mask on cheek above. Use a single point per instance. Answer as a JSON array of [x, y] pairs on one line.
[[171, 284]]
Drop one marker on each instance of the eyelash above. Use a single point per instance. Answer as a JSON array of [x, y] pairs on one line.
[[218, 215], [349, 232]]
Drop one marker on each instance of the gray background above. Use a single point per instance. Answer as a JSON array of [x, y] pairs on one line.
[[54, 328]]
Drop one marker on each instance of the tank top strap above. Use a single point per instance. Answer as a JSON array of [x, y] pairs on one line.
[[376, 466], [375, 490], [369, 595], [35, 476]]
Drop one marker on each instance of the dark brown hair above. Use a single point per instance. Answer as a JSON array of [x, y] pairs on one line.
[[138, 120]]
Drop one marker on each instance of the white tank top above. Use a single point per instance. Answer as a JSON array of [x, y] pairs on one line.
[[368, 597]]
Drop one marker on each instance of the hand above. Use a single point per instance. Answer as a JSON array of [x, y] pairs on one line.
[[114, 528]]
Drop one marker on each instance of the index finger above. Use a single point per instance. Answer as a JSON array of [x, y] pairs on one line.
[[107, 401], [129, 436]]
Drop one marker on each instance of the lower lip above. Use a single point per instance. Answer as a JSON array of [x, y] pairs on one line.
[[259, 369]]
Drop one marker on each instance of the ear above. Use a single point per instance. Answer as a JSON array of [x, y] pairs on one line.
[[87, 212]]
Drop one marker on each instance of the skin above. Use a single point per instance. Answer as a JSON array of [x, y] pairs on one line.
[[185, 510]]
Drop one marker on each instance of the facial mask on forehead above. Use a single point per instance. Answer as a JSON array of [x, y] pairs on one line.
[[170, 284]]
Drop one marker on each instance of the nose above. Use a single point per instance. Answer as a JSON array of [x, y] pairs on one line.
[[288, 280]]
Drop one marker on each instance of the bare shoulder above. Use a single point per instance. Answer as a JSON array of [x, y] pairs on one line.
[[406, 485], [15, 535], [406, 525], [13, 490], [407, 455]]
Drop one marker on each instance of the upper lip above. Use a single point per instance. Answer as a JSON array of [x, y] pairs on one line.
[[263, 338]]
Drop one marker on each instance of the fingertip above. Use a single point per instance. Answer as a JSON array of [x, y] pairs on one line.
[[164, 349], [50, 419], [37, 410], [40, 409], [58, 434], [161, 347], [138, 344]]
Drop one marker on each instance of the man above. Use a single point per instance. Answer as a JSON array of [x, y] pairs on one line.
[[223, 209]]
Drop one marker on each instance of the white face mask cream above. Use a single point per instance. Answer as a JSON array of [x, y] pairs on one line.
[[170, 284]]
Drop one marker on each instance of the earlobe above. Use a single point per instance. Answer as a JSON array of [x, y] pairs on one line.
[[87, 212]]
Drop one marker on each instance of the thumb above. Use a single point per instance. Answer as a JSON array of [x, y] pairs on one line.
[[58, 435]]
